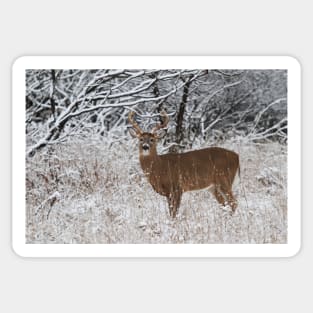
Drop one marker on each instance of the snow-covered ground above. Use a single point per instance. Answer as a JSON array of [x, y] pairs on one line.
[[90, 192]]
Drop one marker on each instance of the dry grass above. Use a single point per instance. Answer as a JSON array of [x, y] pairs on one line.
[[88, 193]]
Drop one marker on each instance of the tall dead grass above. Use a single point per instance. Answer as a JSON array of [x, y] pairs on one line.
[[95, 193]]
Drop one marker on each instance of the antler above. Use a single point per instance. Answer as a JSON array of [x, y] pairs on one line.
[[134, 124], [161, 125]]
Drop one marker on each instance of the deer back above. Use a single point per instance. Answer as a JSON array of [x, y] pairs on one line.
[[192, 170]]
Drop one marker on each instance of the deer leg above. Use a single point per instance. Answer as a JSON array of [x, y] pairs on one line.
[[174, 200], [219, 196], [170, 206], [230, 198], [225, 196], [233, 202]]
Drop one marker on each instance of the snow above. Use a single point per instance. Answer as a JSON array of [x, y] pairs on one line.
[[90, 193]]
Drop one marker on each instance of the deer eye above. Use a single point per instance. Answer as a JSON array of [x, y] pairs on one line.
[[141, 139], [151, 140]]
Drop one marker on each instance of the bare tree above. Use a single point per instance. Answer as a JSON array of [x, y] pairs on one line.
[[202, 103]]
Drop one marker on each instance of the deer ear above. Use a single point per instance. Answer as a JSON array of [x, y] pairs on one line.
[[133, 133], [161, 133]]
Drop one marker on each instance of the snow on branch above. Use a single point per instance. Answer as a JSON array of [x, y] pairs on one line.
[[63, 104], [77, 93]]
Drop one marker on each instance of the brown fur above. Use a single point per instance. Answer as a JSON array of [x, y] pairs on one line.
[[171, 175]]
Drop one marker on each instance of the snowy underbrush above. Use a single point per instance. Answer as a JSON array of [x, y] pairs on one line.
[[93, 192]]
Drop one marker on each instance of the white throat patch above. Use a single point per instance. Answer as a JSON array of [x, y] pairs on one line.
[[146, 152]]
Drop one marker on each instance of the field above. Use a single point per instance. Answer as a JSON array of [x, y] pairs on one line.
[[95, 192]]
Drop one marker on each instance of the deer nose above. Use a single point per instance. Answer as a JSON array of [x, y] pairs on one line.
[[145, 146]]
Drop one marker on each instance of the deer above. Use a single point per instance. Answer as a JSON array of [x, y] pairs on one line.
[[172, 174]]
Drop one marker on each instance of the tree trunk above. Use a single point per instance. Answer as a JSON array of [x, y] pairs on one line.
[[179, 134]]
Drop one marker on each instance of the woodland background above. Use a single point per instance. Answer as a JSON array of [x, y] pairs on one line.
[[83, 179]]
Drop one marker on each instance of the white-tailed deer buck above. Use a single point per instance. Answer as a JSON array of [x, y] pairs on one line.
[[172, 174]]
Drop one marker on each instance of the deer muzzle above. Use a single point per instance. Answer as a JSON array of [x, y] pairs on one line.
[[145, 146]]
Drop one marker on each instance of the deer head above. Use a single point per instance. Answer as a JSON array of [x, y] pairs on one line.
[[148, 141]]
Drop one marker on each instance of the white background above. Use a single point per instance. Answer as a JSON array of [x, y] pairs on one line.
[[169, 28]]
